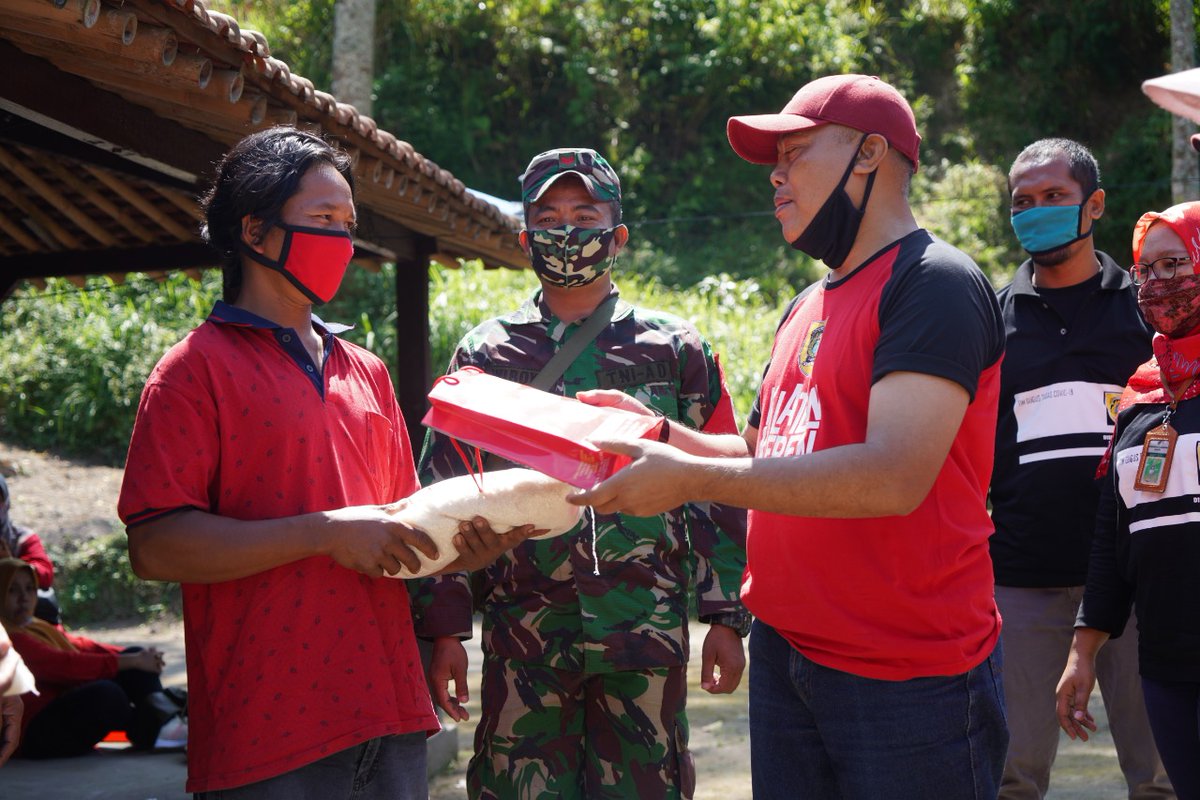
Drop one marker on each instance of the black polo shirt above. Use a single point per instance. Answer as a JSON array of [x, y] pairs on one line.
[[1069, 353]]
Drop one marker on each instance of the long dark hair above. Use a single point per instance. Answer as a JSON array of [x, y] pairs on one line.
[[257, 177]]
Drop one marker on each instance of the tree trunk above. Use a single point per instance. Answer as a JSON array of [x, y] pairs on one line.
[[354, 52], [1185, 169]]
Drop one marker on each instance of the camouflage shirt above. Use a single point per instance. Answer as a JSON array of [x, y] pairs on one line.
[[615, 597]]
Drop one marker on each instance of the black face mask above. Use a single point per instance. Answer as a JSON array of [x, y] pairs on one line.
[[831, 233]]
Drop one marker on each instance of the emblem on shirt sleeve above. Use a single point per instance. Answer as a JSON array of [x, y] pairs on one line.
[[812, 342], [1111, 401]]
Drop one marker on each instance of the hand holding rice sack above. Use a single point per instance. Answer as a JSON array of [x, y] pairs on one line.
[[508, 499]]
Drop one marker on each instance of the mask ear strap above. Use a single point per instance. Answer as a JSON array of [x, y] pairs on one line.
[[850, 168], [867, 190], [854, 160], [1079, 224], [276, 265]]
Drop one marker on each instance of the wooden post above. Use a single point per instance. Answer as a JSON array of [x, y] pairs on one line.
[[413, 370], [354, 52]]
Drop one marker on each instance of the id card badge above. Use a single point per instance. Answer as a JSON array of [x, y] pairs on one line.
[[1155, 466]]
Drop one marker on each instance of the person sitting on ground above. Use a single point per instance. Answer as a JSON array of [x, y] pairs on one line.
[[86, 688], [22, 543]]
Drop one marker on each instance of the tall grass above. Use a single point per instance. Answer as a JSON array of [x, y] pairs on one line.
[[737, 316], [73, 361]]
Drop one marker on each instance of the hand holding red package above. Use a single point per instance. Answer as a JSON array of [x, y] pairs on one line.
[[542, 431]]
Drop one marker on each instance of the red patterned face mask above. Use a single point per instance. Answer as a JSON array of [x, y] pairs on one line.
[[1172, 307]]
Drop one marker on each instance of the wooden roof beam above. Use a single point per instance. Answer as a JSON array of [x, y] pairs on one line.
[[72, 106], [96, 199], [118, 34], [135, 199], [56, 198], [18, 234], [222, 96], [187, 72], [152, 260], [57, 233], [71, 14], [185, 203]]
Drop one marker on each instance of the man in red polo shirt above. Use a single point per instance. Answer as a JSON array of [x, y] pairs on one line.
[[263, 453], [865, 463]]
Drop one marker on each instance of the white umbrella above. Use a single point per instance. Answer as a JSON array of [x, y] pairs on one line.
[[1178, 93]]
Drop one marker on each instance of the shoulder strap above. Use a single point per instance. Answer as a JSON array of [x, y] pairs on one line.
[[571, 349], [566, 355]]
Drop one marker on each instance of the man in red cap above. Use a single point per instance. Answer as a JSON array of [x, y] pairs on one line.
[[865, 463]]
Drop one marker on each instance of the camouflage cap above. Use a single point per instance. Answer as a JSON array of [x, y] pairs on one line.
[[597, 174]]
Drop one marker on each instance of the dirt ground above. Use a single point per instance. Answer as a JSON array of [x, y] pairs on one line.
[[720, 739], [59, 498]]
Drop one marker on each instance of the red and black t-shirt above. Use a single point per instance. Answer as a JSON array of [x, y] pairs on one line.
[[895, 597]]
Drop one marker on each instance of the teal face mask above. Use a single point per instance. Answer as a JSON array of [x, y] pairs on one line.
[[1044, 229]]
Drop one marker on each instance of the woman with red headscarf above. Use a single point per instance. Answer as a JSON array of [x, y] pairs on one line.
[[1146, 550]]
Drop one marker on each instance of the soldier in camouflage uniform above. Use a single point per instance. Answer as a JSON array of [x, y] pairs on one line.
[[585, 635]]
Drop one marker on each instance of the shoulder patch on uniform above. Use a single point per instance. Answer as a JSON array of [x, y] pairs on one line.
[[1111, 401]]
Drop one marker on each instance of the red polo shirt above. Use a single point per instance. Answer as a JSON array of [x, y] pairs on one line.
[[298, 662]]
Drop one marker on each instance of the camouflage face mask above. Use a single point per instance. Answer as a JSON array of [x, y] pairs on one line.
[[571, 256]]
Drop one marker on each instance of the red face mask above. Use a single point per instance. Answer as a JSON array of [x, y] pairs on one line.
[[1172, 307], [313, 259]]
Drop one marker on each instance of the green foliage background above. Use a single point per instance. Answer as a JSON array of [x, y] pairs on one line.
[[479, 87], [93, 582], [73, 362]]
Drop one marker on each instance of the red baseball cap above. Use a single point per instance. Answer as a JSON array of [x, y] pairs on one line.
[[861, 102]]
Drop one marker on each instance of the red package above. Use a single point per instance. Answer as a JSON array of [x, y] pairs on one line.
[[539, 430]]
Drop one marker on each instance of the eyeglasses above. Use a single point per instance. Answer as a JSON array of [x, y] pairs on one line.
[[1162, 269]]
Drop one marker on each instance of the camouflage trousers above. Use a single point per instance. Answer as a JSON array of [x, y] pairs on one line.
[[549, 733]]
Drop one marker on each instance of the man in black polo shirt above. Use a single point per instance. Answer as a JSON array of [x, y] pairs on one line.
[[1074, 335]]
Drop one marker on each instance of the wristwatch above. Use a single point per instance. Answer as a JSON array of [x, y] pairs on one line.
[[738, 620]]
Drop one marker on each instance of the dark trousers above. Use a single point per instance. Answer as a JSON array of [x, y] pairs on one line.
[[74, 722], [1174, 711], [824, 734], [386, 768]]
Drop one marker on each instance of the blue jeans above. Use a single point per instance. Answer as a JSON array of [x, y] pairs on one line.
[[386, 768], [820, 733]]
